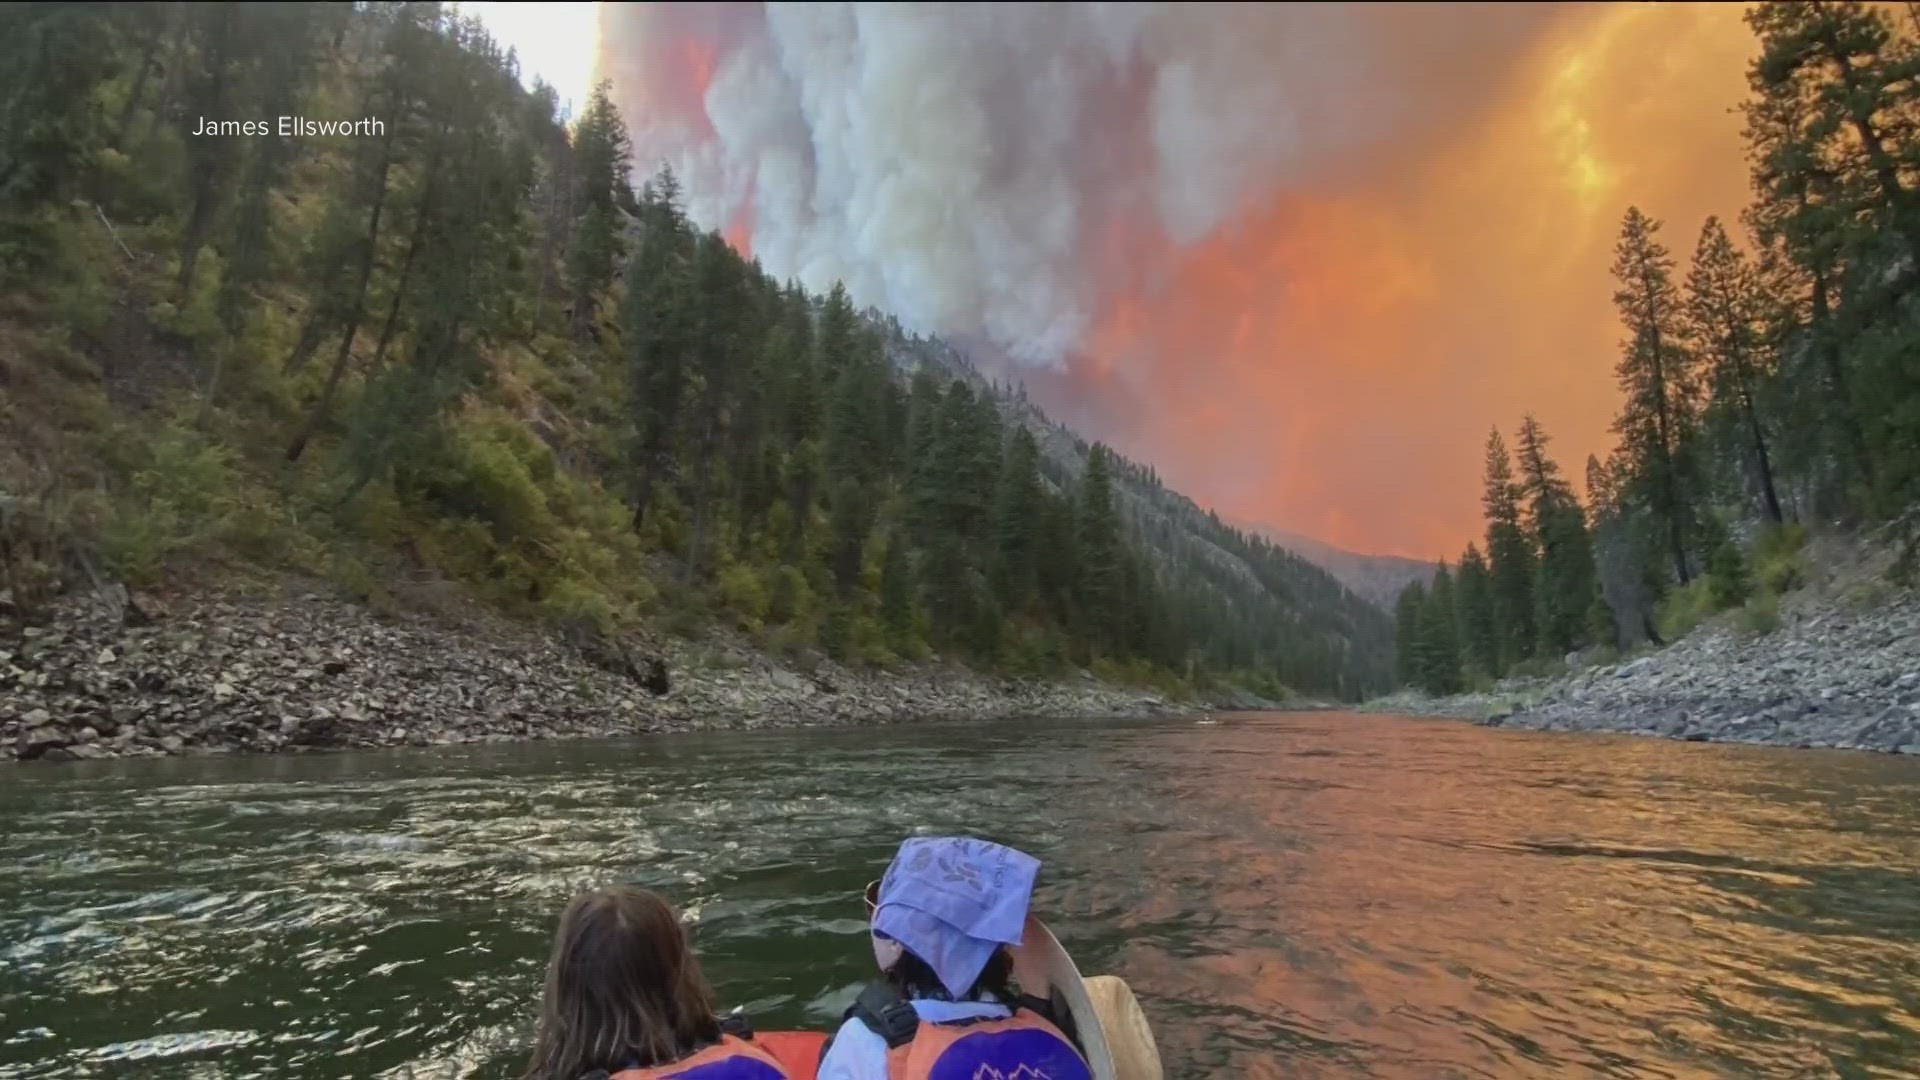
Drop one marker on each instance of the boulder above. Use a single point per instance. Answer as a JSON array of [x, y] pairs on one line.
[[37, 741]]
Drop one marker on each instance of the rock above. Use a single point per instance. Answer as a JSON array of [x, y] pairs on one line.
[[106, 657], [36, 742]]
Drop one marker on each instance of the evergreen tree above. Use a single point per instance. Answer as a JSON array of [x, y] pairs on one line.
[[1473, 602], [1406, 633], [1017, 510], [896, 589], [602, 150], [346, 252], [55, 59], [1564, 579], [1437, 645], [659, 329], [1725, 320], [1098, 549], [1510, 558], [1657, 377]]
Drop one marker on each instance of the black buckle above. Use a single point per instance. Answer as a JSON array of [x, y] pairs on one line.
[[886, 1014]]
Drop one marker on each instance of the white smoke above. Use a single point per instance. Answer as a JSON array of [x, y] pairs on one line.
[[967, 166]]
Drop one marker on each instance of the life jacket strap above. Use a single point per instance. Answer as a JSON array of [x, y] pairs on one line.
[[886, 1014], [737, 1025], [1054, 1011]]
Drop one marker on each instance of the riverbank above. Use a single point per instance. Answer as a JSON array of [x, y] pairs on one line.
[[1840, 669], [300, 670]]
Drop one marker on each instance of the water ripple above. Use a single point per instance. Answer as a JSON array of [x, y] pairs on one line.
[[1298, 896]]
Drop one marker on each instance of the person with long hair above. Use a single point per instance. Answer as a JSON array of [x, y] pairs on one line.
[[625, 999], [941, 921]]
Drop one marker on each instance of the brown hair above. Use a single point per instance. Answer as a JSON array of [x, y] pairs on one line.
[[915, 978], [623, 988]]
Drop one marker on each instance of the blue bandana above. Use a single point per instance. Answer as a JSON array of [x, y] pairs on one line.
[[953, 901]]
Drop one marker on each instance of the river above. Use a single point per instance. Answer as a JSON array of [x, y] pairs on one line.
[[1290, 895]]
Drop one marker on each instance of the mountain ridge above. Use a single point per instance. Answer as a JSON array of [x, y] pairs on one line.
[[1377, 578], [1196, 550]]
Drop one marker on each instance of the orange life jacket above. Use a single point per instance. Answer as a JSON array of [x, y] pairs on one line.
[[1023, 1046], [731, 1058], [799, 1052]]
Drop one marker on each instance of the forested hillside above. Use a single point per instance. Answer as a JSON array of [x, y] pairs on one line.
[[1775, 386], [462, 344]]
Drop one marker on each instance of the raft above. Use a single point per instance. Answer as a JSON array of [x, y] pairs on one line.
[[1113, 1031]]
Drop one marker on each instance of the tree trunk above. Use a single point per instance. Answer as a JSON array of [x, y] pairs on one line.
[[1885, 172], [149, 59], [1664, 423], [414, 239], [347, 333], [1830, 363], [199, 220], [1762, 459]]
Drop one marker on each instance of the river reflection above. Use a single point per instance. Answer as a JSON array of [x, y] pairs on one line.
[[1318, 895]]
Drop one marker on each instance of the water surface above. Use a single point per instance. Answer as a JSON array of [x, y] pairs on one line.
[[1290, 895]]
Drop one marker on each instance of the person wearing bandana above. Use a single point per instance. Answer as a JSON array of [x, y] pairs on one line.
[[942, 921]]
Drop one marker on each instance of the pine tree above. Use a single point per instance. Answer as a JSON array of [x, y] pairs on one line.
[[347, 249], [602, 150], [1437, 645], [1832, 126], [1845, 62], [896, 589], [1657, 377], [1724, 319], [659, 330], [1801, 225], [1097, 542], [1564, 577], [1406, 633], [1473, 601], [1510, 558], [54, 61], [1016, 523]]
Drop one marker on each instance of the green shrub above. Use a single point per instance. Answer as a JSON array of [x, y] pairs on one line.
[[745, 594], [493, 471], [180, 501], [1779, 558], [1540, 667], [1683, 609], [351, 575], [1760, 616], [790, 598], [570, 602], [795, 645], [837, 633], [1729, 582]]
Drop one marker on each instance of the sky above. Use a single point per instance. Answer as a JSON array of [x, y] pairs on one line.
[[1299, 257], [554, 41]]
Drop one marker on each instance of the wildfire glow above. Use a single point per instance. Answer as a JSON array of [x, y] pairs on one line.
[[1330, 358]]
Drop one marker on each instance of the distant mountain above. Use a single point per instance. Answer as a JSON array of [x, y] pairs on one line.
[[1320, 624], [1378, 579]]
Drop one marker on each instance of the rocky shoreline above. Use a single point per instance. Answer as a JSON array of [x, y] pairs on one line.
[[1841, 671], [306, 671]]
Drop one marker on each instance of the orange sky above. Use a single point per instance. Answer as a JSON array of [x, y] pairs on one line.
[[1331, 364], [1330, 360]]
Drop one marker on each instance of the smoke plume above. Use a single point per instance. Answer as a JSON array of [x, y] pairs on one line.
[[1217, 235]]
